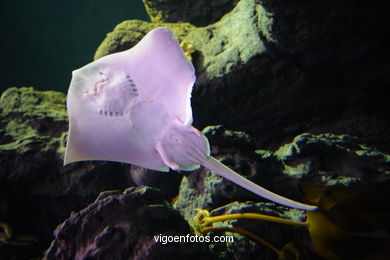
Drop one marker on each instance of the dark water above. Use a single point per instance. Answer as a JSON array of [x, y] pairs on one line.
[[43, 41]]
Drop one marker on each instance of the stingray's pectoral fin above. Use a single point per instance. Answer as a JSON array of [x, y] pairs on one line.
[[166, 158], [212, 164], [72, 152]]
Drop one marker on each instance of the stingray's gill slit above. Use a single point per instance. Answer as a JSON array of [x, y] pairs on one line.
[[132, 85], [138, 110]]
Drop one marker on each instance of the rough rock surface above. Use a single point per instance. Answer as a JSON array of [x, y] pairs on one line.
[[303, 76], [122, 226], [129, 33], [219, 46], [330, 160], [276, 234], [271, 69], [36, 192], [199, 13], [325, 159], [275, 69], [203, 189]]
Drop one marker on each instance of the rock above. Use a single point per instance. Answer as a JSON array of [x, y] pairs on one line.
[[33, 180], [29, 117], [219, 52], [129, 33], [330, 159], [276, 69], [268, 71], [276, 234], [199, 13], [206, 190], [219, 45], [226, 138], [295, 73], [36, 191], [167, 182], [324, 159], [338, 49], [124, 226]]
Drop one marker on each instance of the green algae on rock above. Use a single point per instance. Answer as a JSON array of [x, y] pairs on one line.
[[36, 192], [220, 44], [228, 138], [29, 117], [28, 102], [326, 159], [272, 61], [294, 68], [203, 188], [332, 159], [128, 33], [199, 13]]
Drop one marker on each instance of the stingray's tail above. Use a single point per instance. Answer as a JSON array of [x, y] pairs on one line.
[[213, 164]]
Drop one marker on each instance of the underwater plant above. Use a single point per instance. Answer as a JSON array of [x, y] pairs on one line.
[[9, 236], [135, 107], [349, 224]]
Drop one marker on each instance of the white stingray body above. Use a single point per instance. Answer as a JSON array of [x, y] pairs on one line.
[[120, 105], [135, 107]]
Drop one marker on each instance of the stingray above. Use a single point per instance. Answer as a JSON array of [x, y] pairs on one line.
[[134, 107]]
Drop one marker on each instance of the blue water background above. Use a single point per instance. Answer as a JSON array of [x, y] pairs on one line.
[[43, 41]]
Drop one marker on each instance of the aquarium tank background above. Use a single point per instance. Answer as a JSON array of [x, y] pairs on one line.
[[291, 95], [45, 40]]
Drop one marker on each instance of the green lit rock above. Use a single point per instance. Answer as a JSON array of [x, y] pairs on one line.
[[325, 159], [219, 46], [267, 70], [33, 120], [218, 134], [234, 40], [199, 13], [28, 102], [37, 192], [224, 55], [275, 69], [332, 159], [128, 33], [204, 189]]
